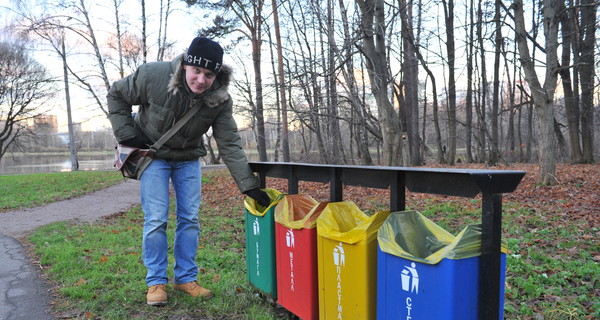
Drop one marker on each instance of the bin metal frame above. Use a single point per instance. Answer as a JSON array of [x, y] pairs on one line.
[[443, 181]]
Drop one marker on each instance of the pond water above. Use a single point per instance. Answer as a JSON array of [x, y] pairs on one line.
[[45, 163]]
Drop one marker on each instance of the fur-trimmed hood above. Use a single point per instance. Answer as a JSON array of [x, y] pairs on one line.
[[217, 94], [160, 90]]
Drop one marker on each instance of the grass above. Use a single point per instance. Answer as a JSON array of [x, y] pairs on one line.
[[22, 191], [551, 268], [109, 278]]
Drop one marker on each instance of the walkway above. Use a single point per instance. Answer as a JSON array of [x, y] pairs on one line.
[[23, 294]]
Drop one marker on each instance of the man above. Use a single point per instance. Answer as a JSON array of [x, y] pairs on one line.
[[164, 91]]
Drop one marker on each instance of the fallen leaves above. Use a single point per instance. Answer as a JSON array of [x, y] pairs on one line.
[[560, 222]]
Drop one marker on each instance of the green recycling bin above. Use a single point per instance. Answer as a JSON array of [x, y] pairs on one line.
[[260, 244]]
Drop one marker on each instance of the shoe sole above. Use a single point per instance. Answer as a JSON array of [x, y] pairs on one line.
[[156, 303], [198, 296]]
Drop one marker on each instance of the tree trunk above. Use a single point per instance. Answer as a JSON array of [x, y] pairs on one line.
[[334, 125], [436, 123], [72, 147], [521, 155], [144, 35], [277, 145], [481, 106], [560, 139], [260, 120], [373, 26], [284, 119], [357, 107], [494, 141], [253, 23], [511, 105], [529, 150], [587, 76], [542, 95], [119, 35], [469, 94], [162, 30], [449, 18], [411, 82], [571, 105]]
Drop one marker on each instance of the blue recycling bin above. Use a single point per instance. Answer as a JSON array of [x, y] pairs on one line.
[[423, 272]]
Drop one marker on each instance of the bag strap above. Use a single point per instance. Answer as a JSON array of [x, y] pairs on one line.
[[187, 116]]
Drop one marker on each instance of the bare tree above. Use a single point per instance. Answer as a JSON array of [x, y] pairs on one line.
[[24, 88], [250, 15], [567, 19], [144, 33], [282, 87], [587, 75], [163, 45], [333, 128], [480, 107], [374, 49], [305, 72], [543, 95], [450, 48], [90, 37], [117, 6], [50, 27], [411, 82], [494, 140], [359, 116], [469, 94]]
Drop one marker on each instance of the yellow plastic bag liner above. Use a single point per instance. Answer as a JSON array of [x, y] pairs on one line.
[[298, 211], [410, 235], [254, 208], [344, 221]]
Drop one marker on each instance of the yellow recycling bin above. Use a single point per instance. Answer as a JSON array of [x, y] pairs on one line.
[[347, 261]]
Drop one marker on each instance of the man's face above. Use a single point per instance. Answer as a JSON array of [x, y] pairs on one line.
[[198, 79]]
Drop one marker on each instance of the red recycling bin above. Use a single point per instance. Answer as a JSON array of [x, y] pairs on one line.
[[296, 255]]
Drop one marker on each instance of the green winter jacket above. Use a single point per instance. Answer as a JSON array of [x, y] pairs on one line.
[[160, 91]]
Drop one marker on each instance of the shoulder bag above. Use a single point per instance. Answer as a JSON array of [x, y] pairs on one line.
[[132, 161]]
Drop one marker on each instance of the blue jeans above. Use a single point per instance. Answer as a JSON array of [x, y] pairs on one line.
[[154, 190]]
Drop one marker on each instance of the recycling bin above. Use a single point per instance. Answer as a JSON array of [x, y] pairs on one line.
[[296, 255], [260, 244], [347, 261], [424, 272]]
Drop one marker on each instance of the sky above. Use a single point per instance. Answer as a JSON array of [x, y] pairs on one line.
[[182, 27]]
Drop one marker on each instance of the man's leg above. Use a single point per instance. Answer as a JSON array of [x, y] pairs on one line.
[[187, 182], [154, 192]]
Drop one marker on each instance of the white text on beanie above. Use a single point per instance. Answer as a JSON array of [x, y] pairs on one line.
[[204, 53]]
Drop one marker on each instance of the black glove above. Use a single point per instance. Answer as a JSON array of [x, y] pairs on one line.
[[261, 197], [139, 141]]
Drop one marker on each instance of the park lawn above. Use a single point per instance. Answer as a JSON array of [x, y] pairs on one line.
[[552, 264], [32, 190]]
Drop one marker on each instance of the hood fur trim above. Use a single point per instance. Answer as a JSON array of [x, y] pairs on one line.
[[216, 95]]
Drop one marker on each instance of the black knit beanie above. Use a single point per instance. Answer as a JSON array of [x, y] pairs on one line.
[[204, 53]]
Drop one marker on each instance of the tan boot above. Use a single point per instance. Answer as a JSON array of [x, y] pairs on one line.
[[157, 295], [193, 289]]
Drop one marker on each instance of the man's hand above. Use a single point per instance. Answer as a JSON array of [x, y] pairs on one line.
[[261, 197], [139, 141]]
